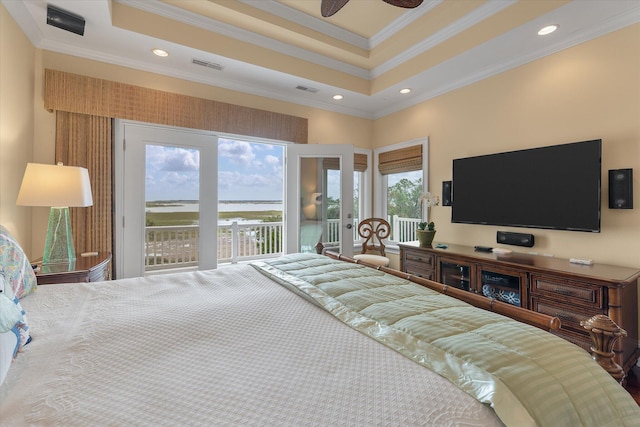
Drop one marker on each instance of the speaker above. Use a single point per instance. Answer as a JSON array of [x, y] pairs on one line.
[[621, 189], [66, 20], [446, 193], [516, 239]]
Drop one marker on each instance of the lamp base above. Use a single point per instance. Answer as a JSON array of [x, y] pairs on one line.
[[58, 248]]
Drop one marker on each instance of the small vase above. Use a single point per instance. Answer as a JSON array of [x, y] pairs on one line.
[[425, 237]]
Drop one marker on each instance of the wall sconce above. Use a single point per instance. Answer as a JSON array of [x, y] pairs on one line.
[[316, 198], [58, 187]]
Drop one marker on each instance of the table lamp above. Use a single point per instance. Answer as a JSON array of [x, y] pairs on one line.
[[58, 187]]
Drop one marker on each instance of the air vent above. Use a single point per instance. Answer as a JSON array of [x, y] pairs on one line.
[[307, 89], [207, 64]]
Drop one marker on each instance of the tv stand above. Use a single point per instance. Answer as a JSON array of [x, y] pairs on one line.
[[553, 286]]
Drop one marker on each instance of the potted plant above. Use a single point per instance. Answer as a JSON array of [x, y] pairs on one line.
[[427, 230]]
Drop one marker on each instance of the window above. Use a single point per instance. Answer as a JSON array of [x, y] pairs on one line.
[[361, 188], [401, 176]]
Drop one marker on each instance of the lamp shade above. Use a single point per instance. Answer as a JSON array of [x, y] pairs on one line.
[[55, 186]]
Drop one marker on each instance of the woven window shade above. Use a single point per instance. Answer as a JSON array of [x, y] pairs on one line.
[[86, 95], [359, 162], [402, 160], [83, 140]]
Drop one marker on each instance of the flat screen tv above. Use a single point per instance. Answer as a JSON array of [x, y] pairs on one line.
[[556, 187]]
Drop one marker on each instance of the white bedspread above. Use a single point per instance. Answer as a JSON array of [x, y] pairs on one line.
[[219, 348]]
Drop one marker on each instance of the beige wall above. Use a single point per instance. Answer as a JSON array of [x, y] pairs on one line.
[[17, 65], [589, 91]]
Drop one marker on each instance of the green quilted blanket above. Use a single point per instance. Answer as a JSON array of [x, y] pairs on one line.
[[529, 377]]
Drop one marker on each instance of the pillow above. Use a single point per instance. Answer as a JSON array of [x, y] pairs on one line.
[[14, 331], [9, 313], [20, 327], [8, 348], [15, 266]]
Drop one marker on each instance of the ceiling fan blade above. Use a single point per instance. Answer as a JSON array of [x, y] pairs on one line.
[[408, 4], [329, 7]]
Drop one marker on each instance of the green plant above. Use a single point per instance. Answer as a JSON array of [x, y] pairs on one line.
[[426, 226]]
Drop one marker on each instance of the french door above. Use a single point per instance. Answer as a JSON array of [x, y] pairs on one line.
[[319, 198], [166, 166], [159, 167]]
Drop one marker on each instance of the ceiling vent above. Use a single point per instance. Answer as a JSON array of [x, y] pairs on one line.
[[207, 64], [307, 89]]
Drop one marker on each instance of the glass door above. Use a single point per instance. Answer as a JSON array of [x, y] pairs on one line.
[[169, 205], [319, 207], [456, 274], [503, 285]]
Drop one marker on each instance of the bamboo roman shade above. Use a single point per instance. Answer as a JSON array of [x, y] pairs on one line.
[[359, 163], [87, 95], [402, 160]]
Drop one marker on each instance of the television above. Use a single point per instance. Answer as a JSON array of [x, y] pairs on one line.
[[555, 187]]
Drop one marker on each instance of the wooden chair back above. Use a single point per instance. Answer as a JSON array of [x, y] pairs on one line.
[[373, 231]]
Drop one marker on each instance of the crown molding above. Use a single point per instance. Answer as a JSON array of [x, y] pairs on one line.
[[212, 25], [20, 14], [626, 17], [462, 24], [221, 80], [316, 24], [402, 21]]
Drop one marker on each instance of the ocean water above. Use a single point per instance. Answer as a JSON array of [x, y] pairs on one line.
[[223, 206]]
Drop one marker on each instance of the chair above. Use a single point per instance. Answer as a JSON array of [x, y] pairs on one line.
[[373, 230]]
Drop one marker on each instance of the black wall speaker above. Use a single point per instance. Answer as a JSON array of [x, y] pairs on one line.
[[66, 20], [621, 189], [516, 239], [446, 193]]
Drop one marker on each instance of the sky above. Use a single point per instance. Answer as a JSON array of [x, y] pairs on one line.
[[246, 171]]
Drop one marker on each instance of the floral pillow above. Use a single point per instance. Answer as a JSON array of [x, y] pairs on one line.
[[13, 328], [13, 317], [15, 266]]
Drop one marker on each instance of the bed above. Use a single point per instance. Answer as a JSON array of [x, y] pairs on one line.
[[298, 340]]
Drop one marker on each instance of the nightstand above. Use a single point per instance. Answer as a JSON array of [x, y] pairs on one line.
[[93, 268]]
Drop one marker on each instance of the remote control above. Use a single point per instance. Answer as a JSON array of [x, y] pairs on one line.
[[501, 251], [581, 261], [482, 248]]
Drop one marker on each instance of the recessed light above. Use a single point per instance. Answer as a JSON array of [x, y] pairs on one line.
[[160, 52], [338, 97], [405, 90], [547, 30]]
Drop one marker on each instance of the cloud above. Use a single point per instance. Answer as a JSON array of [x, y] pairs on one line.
[[235, 185], [246, 170], [238, 152], [272, 160], [161, 158]]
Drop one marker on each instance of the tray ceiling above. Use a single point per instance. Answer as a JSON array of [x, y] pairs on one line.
[[285, 49]]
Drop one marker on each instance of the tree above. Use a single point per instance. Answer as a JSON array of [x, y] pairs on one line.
[[333, 207], [403, 199]]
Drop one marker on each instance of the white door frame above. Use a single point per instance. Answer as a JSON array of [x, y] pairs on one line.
[[131, 139], [293, 192]]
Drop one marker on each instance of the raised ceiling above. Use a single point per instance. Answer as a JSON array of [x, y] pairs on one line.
[[366, 52]]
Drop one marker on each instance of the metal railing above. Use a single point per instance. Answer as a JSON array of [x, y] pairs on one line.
[[177, 246]]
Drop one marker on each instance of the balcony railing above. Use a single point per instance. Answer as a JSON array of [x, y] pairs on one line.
[[177, 246]]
